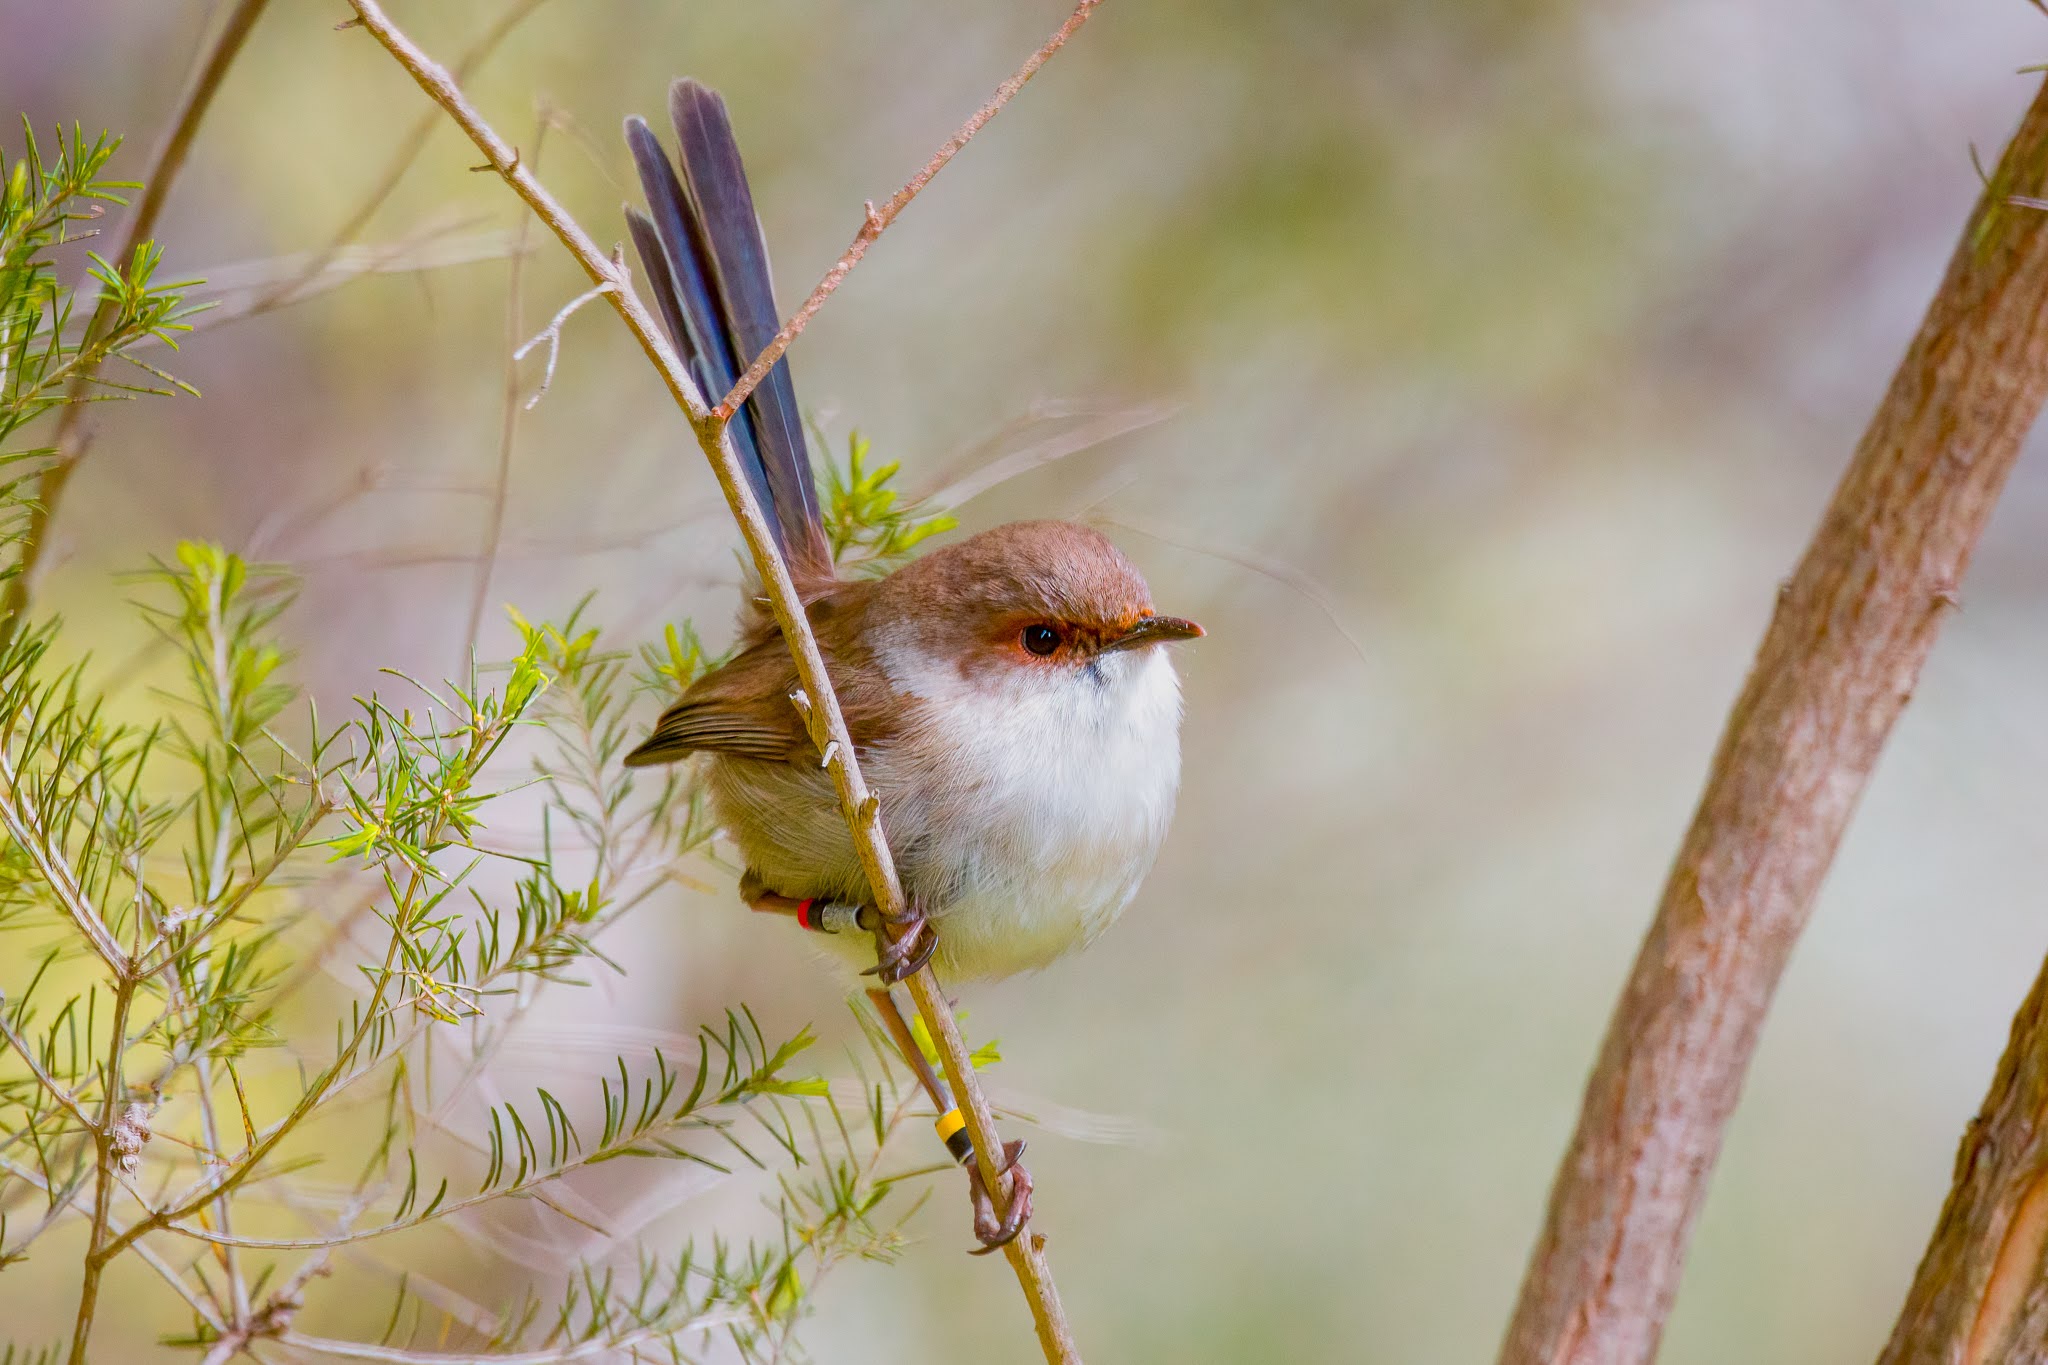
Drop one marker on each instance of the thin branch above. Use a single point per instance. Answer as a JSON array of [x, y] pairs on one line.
[[1853, 626], [224, 1210], [73, 1201], [259, 879], [1286, 575], [827, 724], [107, 1162], [277, 1312], [1013, 450], [529, 1186], [25, 827], [877, 220], [157, 177], [330, 1080]]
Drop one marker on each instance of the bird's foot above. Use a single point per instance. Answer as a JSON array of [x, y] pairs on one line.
[[991, 1231], [902, 946]]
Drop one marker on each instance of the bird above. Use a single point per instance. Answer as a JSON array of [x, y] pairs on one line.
[[1011, 696]]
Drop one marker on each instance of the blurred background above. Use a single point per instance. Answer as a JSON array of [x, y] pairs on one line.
[[1503, 355]]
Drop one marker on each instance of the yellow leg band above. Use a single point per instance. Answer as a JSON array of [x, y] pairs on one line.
[[952, 1127]]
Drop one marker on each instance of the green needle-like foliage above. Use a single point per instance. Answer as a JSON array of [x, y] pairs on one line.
[[185, 870], [165, 880], [49, 356], [866, 525]]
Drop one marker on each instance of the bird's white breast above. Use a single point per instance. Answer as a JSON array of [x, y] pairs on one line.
[[1038, 800]]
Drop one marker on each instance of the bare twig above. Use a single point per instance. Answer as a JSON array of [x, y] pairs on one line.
[[877, 220], [1853, 626], [71, 439], [1286, 575], [1981, 1294], [552, 335], [315, 271], [108, 1160], [224, 1209], [1026, 1253]]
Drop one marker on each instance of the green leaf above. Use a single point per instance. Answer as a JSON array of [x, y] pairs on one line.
[[864, 524], [788, 1291]]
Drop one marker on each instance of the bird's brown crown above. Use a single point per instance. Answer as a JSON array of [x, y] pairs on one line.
[[988, 588]]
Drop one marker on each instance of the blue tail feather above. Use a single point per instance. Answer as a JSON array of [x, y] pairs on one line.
[[707, 264]]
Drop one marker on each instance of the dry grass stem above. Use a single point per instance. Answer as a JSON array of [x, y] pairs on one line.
[[241, 290]]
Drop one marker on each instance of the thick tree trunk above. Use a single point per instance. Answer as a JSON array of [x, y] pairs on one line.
[[1853, 625]]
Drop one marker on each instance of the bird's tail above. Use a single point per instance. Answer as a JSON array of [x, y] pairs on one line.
[[706, 263]]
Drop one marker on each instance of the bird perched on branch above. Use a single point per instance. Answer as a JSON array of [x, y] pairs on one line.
[[1008, 695]]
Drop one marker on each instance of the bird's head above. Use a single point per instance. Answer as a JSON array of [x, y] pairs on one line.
[[1026, 605]]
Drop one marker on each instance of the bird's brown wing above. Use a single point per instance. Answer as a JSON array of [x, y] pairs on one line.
[[740, 708], [743, 706]]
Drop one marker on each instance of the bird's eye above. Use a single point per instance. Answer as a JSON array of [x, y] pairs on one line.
[[1041, 640]]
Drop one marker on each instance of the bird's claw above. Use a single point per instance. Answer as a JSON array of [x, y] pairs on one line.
[[904, 954], [992, 1232]]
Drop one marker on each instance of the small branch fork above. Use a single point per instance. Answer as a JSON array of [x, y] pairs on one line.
[[879, 219], [1840, 660], [552, 334], [826, 722]]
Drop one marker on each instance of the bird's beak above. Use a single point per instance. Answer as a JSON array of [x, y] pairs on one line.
[[1152, 630]]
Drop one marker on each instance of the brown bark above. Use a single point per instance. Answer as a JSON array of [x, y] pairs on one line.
[[1838, 663], [1980, 1294]]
